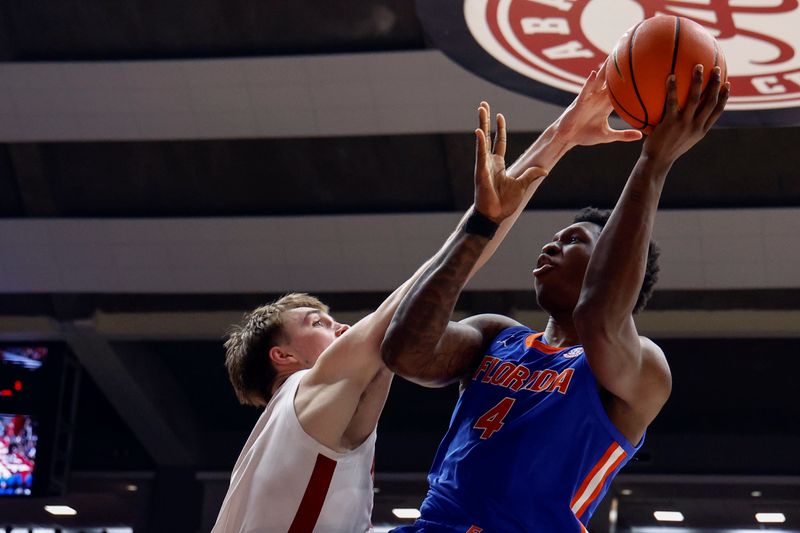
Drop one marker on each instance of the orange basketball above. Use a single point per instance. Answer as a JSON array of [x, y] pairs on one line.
[[646, 54]]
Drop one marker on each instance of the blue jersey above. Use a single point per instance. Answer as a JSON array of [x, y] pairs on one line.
[[530, 447]]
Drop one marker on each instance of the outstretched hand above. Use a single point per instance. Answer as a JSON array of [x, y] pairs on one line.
[[681, 129], [497, 195], [585, 121]]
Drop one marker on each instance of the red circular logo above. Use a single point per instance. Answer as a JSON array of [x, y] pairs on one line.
[[556, 43]]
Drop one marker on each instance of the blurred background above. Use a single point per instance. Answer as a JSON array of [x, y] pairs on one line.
[[167, 166]]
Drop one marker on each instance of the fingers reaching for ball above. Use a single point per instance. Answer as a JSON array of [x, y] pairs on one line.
[[715, 97], [703, 105], [683, 127], [695, 89]]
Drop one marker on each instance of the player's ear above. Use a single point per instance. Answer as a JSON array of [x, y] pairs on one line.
[[280, 356]]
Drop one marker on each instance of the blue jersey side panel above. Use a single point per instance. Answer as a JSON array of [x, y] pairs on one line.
[[529, 447]]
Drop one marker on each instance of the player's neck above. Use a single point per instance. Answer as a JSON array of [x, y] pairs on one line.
[[281, 377], [560, 332]]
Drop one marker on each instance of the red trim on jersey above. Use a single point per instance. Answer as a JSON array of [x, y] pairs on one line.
[[603, 462], [317, 489], [532, 341], [600, 485], [592, 473]]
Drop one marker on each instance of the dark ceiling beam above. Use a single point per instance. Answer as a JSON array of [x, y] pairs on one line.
[[139, 29], [459, 157], [142, 391], [6, 33], [34, 187]]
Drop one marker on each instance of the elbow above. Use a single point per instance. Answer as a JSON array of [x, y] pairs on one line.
[[398, 355], [390, 351]]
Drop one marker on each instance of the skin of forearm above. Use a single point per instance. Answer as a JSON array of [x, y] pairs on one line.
[[392, 302], [616, 269], [545, 152], [421, 319]]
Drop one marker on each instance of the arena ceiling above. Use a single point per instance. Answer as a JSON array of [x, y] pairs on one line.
[[166, 166]]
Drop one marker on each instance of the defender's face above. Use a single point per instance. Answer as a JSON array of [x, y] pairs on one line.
[[559, 272], [310, 331]]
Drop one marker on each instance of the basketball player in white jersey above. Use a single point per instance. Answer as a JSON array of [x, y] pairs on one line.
[[306, 466]]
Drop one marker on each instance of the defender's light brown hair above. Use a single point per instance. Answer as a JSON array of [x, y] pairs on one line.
[[247, 348]]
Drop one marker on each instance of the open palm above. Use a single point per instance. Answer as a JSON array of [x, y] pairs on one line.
[[585, 121], [497, 195]]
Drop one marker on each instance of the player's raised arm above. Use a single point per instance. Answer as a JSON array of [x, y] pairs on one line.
[[422, 344], [629, 367]]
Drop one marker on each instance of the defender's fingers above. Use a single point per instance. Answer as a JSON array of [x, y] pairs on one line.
[[483, 119], [591, 78], [624, 135], [485, 124], [531, 175], [599, 78], [588, 85], [500, 136]]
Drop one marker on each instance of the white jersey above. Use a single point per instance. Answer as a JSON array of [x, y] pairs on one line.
[[285, 481]]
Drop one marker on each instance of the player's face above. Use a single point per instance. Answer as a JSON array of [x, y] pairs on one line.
[[309, 332], [559, 272]]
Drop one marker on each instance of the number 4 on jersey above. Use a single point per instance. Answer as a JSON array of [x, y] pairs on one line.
[[492, 420]]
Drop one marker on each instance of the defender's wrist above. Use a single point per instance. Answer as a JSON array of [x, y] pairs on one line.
[[479, 224]]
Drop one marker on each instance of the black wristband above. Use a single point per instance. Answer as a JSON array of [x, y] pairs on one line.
[[479, 224]]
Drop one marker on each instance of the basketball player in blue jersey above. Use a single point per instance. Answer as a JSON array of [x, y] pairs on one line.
[[545, 420]]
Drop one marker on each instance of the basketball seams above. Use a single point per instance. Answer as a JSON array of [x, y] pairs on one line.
[[676, 45], [664, 45], [620, 107], [616, 64], [633, 77]]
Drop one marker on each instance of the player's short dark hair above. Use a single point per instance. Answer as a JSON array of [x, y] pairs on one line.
[[600, 217], [247, 348]]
